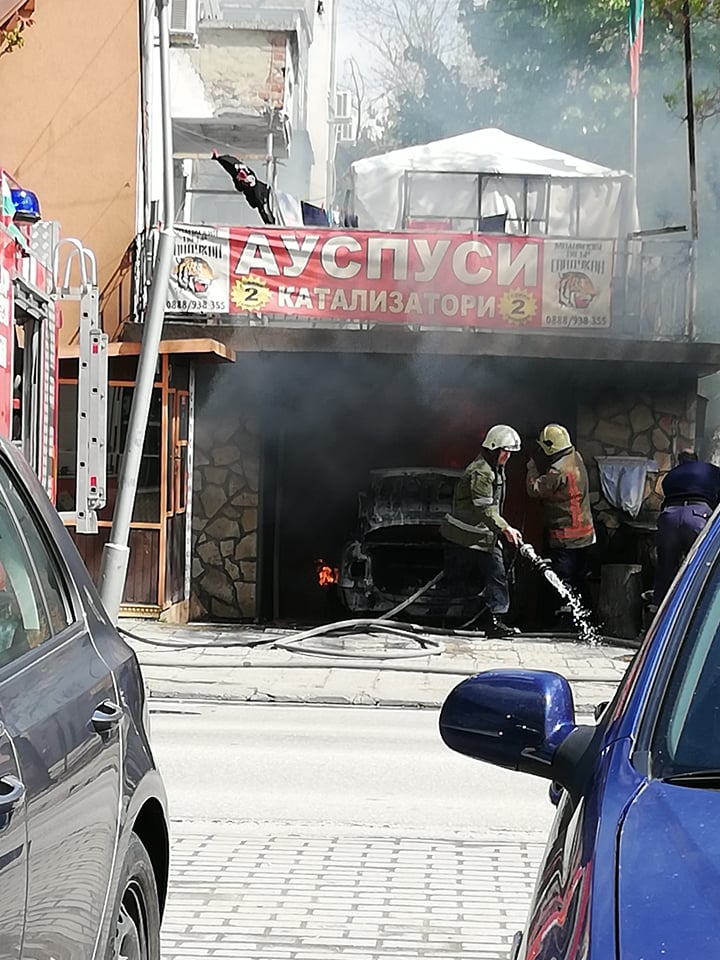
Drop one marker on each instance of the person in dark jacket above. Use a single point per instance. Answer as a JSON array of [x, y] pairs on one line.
[[474, 562], [691, 492]]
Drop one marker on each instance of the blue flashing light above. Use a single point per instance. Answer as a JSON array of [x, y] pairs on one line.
[[27, 206]]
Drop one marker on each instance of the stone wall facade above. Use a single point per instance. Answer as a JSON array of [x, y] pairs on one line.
[[656, 425], [225, 520], [652, 424]]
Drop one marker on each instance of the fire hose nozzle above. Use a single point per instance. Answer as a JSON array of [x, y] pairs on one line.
[[528, 551]]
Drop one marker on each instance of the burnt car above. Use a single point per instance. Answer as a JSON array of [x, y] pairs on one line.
[[398, 547]]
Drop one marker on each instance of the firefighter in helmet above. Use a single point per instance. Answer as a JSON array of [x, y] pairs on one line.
[[474, 562], [563, 489]]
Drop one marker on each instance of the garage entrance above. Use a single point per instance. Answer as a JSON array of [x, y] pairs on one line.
[[327, 421]]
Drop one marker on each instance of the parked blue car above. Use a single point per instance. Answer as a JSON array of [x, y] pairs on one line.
[[632, 865]]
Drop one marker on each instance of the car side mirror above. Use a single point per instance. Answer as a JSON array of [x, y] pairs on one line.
[[515, 719]]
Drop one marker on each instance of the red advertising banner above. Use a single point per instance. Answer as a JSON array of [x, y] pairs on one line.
[[428, 279]]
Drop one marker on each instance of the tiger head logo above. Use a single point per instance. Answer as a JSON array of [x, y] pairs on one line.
[[576, 290], [194, 275]]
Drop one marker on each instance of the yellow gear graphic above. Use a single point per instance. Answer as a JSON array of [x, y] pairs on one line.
[[250, 293], [518, 306]]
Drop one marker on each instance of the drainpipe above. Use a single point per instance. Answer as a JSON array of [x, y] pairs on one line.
[[270, 159], [692, 166], [116, 553], [332, 130], [147, 21]]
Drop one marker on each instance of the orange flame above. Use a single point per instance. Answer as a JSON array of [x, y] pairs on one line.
[[326, 574]]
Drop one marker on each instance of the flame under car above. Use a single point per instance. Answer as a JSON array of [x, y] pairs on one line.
[[399, 548]]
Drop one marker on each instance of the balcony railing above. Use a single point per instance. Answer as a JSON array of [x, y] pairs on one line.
[[634, 289], [269, 15], [652, 291]]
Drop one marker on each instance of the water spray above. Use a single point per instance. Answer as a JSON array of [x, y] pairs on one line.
[[580, 616]]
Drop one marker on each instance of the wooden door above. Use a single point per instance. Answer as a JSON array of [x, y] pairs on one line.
[[177, 489]]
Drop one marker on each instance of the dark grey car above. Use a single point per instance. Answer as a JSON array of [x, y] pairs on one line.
[[83, 818]]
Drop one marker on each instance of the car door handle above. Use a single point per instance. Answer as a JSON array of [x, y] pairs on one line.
[[12, 791], [107, 715]]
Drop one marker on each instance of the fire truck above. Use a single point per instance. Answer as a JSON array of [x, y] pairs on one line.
[[39, 271]]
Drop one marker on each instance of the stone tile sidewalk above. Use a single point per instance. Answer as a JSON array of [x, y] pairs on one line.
[[295, 898], [238, 663]]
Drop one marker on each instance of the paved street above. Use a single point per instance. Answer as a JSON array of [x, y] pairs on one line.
[[301, 833]]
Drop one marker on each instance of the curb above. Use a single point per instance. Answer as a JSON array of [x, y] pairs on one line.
[[263, 698], [362, 665], [281, 700], [266, 700]]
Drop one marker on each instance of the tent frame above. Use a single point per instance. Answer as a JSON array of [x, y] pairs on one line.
[[475, 224]]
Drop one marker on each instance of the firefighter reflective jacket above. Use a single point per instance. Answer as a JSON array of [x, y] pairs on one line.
[[475, 520], [566, 500]]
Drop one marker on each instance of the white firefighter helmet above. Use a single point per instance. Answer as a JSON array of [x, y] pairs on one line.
[[554, 439], [502, 437]]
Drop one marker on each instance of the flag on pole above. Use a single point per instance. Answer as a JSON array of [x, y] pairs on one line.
[[635, 29]]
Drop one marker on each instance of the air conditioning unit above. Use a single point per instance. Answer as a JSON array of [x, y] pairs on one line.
[[344, 120], [183, 21]]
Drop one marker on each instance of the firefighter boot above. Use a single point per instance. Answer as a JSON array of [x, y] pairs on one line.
[[495, 628]]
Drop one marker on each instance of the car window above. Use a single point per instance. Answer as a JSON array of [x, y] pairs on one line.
[[56, 597], [687, 735], [24, 622]]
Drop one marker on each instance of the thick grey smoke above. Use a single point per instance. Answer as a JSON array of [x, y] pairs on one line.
[[586, 114]]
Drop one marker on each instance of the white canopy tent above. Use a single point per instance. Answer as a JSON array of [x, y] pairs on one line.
[[461, 182]]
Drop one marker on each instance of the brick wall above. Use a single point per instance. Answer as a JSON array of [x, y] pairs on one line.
[[240, 71]]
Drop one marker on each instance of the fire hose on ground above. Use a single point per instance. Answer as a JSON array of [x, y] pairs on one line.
[[428, 645]]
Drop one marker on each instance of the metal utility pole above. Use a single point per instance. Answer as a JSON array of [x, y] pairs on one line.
[[633, 156], [692, 163], [270, 154], [116, 552]]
